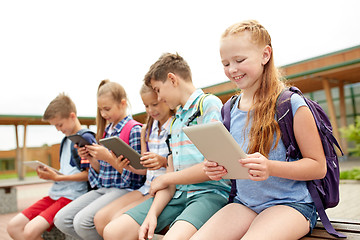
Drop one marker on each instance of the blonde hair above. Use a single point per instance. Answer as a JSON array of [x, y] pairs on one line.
[[117, 92], [61, 107], [167, 63], [263, 111], [149, 120]]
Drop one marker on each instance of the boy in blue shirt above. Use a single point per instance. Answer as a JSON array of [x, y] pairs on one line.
[[33, 221], [185, 198]]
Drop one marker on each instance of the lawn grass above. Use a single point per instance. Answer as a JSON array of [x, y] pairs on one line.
[[14, 175], [353, 174]]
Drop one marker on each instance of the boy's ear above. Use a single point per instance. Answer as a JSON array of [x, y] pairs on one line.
[[72, 115], [173, 79], [266, 55]]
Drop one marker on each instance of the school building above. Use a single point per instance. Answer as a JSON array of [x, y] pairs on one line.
[[333, 80]]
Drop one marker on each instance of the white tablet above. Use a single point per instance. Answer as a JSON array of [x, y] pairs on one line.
[[119, 147], [215, 142], [35, 164]]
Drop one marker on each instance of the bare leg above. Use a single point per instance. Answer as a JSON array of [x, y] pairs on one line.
[[278, 222], [181, 230], [123, 227], [230, 222], [16, 226], [35, 228], [104, 215], [130, 206]]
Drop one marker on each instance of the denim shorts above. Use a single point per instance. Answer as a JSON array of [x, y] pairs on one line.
[[308, 210]]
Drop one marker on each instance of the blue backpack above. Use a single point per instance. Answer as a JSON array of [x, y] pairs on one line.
[[324, 192]]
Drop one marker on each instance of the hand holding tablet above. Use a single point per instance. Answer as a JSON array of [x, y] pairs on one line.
[[216, 144], [119, 147], [35, 164]]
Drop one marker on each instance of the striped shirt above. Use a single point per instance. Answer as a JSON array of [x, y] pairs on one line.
[[185, 154], [108, 176], [156, 144]]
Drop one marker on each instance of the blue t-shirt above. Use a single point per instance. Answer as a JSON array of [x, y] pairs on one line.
[[259, 195], [68, 189]]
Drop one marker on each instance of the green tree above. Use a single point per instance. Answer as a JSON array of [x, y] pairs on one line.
[[352, 134]]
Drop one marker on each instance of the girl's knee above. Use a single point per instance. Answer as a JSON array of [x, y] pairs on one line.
[[122, 226], [100, 223]]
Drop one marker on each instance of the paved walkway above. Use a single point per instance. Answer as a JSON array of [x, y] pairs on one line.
[[348, 208]]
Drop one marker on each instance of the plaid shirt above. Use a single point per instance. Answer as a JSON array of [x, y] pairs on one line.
[[108, 176]]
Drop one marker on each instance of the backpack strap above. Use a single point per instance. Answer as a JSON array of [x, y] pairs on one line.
[[125, 131], [169, 137], [226, 111], [199, 111], [285, 120], [226, 116]]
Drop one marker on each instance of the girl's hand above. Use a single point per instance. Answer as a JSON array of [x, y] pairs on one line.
[[147, 229], [153, 161], [99, 152], [213, 170], [258, 166], [119, 163]]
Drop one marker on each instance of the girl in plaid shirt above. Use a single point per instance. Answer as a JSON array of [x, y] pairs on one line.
[[106, 174], [154, 156]]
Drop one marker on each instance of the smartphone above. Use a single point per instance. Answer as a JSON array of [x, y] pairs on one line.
[[79, 140]]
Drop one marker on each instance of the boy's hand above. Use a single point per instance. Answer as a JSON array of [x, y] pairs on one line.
[[83, 152], [153, 161], [46, 173], [147, 229], [158, 184], [213, 170]]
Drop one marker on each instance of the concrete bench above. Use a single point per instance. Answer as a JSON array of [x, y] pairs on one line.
[[56, 234], [351, 228], [8, 193]]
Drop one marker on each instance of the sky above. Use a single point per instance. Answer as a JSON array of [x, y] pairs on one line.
[[48, 47]]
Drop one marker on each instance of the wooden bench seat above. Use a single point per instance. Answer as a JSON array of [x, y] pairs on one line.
[[351, 228]]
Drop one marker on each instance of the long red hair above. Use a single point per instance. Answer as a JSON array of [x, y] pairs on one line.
[[264, 124]]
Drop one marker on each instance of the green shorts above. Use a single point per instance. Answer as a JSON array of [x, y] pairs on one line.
[[196, 210]]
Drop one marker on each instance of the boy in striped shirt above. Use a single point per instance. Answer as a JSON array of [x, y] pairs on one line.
[[184, 197]]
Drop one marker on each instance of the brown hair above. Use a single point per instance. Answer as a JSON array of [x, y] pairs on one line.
[[167, 63], [149, 120], [61, 106], [117, 92], [264, 125]]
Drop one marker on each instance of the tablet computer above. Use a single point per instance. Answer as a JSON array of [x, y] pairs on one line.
[[215, 142], [35, 164], [119, 147], [78, 140]]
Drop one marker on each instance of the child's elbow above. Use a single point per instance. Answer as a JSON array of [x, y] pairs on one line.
[[322, 170]]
